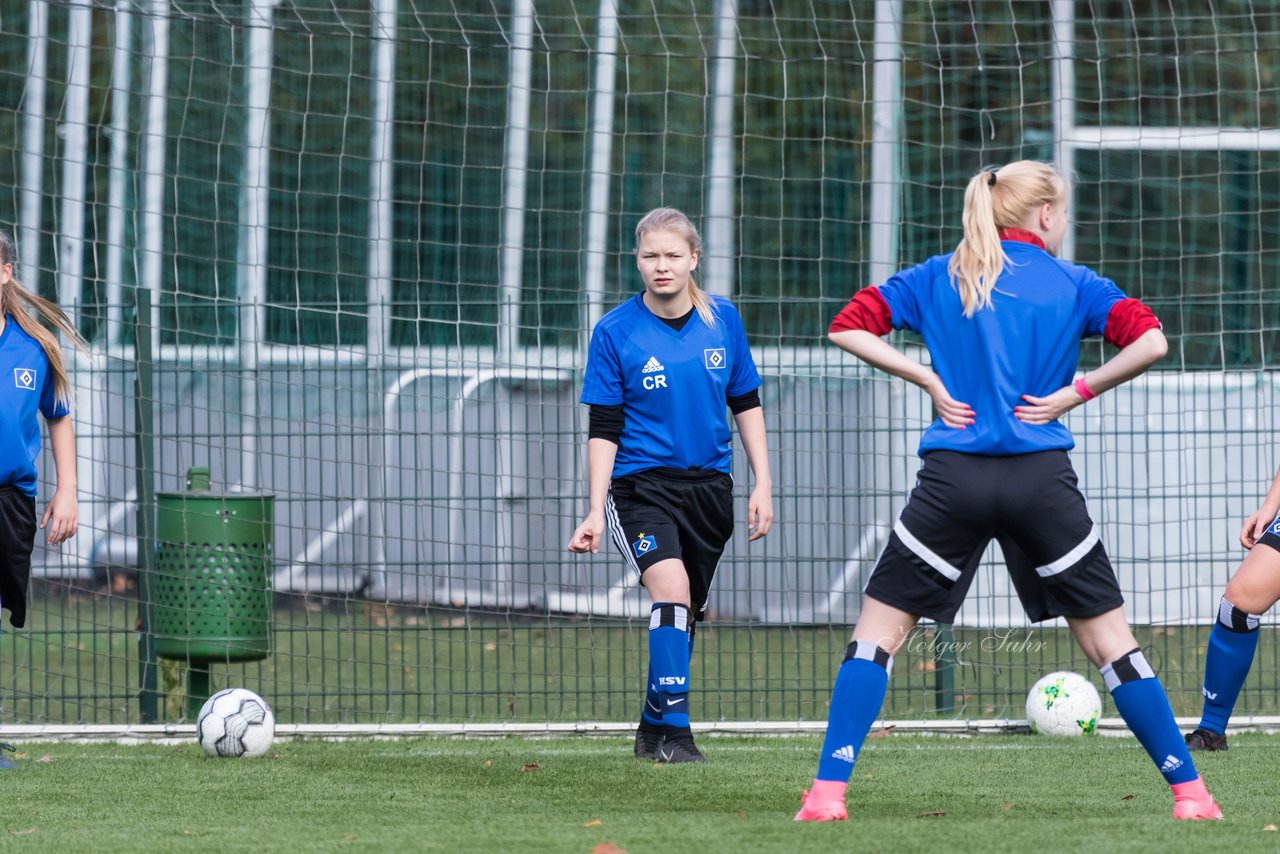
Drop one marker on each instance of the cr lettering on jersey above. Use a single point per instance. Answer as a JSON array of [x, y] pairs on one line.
[[25, 378], [715, 358], [653, 376], [671, 680]]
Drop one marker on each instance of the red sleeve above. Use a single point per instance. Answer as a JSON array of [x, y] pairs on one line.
[[1126, 322], [867, 311]]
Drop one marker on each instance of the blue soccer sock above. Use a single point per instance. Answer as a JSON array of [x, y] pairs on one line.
[[856, 699], [1141, 701], [667, 700], [1232, 643]]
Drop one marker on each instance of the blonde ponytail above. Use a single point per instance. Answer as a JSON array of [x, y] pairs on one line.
[[670, 219], [996, 199], [28, 310]]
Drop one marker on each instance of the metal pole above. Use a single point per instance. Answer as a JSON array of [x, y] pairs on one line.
[[121, 70], [601, 174], [718, 277], [885, 118], [32, 216], [1064, 107], [381, 214], [515, 177], [255, 194], [147, 321], [75, 143]]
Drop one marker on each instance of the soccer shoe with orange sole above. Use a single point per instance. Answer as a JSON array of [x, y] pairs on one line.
[[824, 802]]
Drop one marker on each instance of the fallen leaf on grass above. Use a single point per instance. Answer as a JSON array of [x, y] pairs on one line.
[[46, 758], [740, 814], [488, 763], [1127, 798], [608, 848], [881, 733], [29, 830], [595, 822], [1271, 827], [529, 767], [1006, 806], [350, 837], [20, 755], [931, 814]]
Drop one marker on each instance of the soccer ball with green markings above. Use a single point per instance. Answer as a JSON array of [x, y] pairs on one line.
[[235, 723], [1063, 703]]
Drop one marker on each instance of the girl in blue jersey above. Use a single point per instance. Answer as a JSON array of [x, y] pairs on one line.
[[1233, 640], [661, 370], [1002, 319], [33, 380]]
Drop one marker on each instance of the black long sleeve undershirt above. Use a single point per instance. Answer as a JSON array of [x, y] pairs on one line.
[[605, 422]]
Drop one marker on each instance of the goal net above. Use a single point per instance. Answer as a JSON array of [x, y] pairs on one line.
[[348, 255]]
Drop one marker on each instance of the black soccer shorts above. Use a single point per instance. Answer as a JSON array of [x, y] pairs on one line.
[[673, 513], [17, 540], [1030, 504]]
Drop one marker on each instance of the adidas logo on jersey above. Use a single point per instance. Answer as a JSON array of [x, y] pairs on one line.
[[845, 754], [652, 366], [1171, 763]]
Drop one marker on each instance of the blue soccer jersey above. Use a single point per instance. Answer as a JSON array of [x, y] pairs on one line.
[[1026, 342], [26, 387], [672, 384]]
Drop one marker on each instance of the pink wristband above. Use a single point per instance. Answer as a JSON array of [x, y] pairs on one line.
[[1082, 388]]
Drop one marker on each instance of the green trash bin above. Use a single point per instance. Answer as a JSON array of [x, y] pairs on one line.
[[211, 592]]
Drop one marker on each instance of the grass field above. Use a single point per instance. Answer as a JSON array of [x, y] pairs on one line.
[[909, 793]]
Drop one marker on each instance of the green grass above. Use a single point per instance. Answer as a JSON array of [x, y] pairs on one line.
[[909, 793]]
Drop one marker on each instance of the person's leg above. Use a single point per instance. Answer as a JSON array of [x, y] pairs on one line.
[[17, 542], [924, 571], [666, 705], [702, 504], [861, 683], [1233, 641], [1109, 643], [645, 534]]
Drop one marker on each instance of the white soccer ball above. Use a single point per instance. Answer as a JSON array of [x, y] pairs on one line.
[[1063, 703], [235, 723]]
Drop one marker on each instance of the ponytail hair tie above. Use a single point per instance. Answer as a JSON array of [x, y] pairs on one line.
[[991, 181]]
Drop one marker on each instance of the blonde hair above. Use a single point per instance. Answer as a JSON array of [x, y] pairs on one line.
[[28, 310], [670, 219], [997, 198]]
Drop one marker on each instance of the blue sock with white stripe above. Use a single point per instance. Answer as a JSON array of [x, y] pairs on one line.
[[1141, 701], [667, 701], [856, 699], [1232, 643]]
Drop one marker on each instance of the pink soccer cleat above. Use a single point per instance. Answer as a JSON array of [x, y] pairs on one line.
[[1191, 800], [824, 802]]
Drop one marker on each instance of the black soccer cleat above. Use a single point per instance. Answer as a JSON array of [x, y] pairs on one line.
[[1203, 739], [649, 740], [679, 747]]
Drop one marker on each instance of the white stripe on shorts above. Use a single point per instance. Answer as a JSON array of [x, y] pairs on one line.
[[1072, 557], [923, 552], [614, 524]]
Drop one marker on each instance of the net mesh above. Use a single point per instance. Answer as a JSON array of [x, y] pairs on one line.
[[418, 426]]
